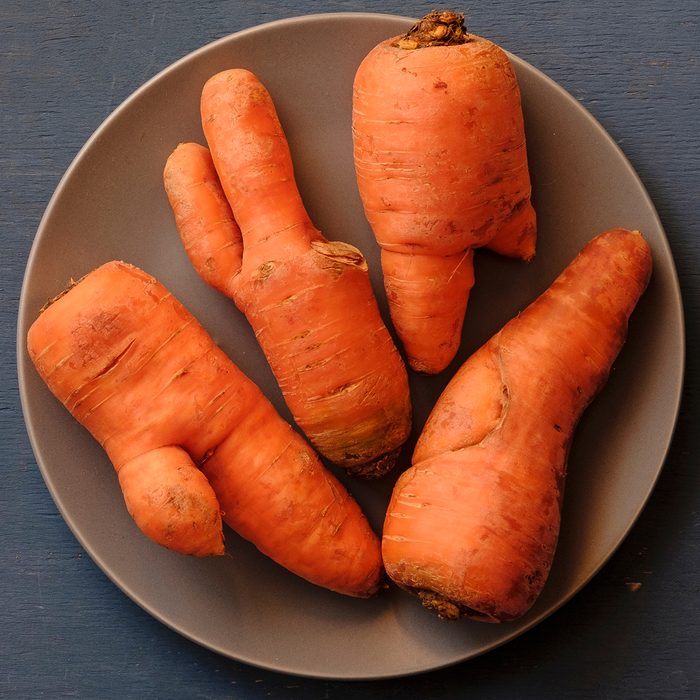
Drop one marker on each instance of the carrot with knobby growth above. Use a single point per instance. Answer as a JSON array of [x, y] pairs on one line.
[[309, 301], [473, 524], [136, 369], [439, 147]]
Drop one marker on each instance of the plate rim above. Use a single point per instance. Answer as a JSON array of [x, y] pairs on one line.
[[24, 364]]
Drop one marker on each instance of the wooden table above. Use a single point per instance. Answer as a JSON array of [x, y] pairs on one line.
[[67, 631]]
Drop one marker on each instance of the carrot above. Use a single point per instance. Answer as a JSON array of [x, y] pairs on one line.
[[441, 165], [472, 525], [136, 369], [309, 301], [209, 233]]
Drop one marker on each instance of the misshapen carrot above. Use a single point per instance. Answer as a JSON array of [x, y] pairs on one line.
[[309, 301], [439, 147], [136, 369], [473, 524]]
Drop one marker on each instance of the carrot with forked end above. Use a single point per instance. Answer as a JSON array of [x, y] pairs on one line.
[[114, 368], [473, 524], [439, 147], [136, 369], [309, 300]]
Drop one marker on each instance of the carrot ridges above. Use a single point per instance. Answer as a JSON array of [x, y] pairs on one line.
[[489, 467], [308, 300], [441, 166], [161, 409]]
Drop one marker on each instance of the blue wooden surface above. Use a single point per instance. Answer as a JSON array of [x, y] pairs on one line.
[[67, 631]]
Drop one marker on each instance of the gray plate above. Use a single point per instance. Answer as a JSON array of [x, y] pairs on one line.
[[110, 204]]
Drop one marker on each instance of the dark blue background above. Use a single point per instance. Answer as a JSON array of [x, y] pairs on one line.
[[67, 631]]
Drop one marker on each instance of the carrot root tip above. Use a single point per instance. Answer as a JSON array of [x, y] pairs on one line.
[[377, 468]]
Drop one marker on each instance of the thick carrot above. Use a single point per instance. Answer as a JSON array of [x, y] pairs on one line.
[[473, 524], [138, 371], [439, 147], [309, 301]]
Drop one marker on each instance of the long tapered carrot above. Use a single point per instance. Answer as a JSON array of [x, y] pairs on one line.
[[473, 524], [439, 148], [309, 301], [136, 369]]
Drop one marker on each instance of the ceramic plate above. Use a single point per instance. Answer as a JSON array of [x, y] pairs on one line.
[[111, 204]]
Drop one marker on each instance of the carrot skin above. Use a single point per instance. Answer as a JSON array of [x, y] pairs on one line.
[[254, 163], [162, 490], [431, 330], [473, 524], [209, 233], [309, 300], [278, 480], [517, 234], [441, 165], [136, 369]]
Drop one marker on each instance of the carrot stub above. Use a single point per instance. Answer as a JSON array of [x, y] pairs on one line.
[[473, 524], [439, 148], [309, 300], [191, 437]]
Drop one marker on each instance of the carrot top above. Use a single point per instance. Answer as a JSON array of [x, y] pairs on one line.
[[437, 28]]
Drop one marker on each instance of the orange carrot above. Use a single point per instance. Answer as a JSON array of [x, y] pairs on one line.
[[136, 369], [209, 233], [473, 524], [309, 301], [439, 146]]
